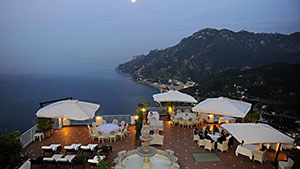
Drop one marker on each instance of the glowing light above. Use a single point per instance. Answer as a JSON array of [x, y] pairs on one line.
[[170, 109], [133, 1], [65, 118], [298, 147], [143, 109], [136, 117], [98, 117]]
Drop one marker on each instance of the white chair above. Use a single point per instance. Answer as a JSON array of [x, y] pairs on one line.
[[223, 147], [157, 123], [174, 120], [93, 134], [100, 136], [103, 122], [198, 122], [259, 156], [121, 133], [112, 136], [115, 121], [190, 122], [94, 124], [201, 142], [209, 145], [157, 140], [196, 138], [286, 164], [187, 110], [122, 123], [178, 111]]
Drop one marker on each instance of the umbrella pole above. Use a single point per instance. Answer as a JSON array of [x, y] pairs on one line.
[[276, 157]]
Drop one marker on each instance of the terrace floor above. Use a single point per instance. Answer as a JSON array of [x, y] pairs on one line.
[[176, 138]]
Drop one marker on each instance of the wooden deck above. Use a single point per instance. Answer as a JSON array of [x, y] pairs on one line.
[[176, 138]]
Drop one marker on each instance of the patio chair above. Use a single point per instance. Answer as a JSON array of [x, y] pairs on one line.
[[104, 150], [115, 121], [112, 135], [190, 123], [209, 145], [223, 147], [157, 140], [51, 149], [66, 160], [100, 136], [93, 134], [187, 110], [198, 122], [94, 124], [181, 122], [90, 148], [72, 148], [79, 161], [178, 111], [52, 160], [196, 138], [286, 164], [123, 123], [203, 129], [103, 122], [36, 162], [94, 161], [127, 130], [121, 133], [259, 156], [201, 142]]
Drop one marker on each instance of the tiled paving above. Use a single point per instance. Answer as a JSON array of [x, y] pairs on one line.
[[176, 138]]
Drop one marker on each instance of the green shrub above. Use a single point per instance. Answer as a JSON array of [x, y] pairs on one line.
[[102, 164], [10, 150], [252, 117], [139, 123], [44, 124]]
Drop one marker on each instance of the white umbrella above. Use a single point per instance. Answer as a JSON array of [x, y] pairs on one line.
[[252, 133], [70, 109], [223, 106], [174, 96]]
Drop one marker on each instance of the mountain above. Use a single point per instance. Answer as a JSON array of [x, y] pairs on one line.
[[273, 88], [210, 51]]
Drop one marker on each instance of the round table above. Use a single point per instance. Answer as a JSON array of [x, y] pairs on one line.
[[185, 116], [106, 128], [214, 137]]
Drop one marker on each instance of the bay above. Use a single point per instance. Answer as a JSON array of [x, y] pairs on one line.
[[20, 94]]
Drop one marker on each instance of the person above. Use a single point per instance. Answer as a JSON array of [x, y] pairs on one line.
[[230, 142], [222, 138], [206, 131], [201, 135], [196, 131], [215, 129]]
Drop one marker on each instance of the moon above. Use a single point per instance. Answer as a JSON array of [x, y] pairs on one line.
[[133, 1]]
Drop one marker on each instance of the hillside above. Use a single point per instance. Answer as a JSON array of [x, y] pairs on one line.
[[273, 88], [210, 51]]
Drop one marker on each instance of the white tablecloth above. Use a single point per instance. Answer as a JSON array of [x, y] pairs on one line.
[[106, 128], [246, 150], [185, 116], [154, 115], [214, 137]]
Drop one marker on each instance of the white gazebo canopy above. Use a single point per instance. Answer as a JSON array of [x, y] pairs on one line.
[[174, 96], [256, 133], [223, 106], [70, 109]]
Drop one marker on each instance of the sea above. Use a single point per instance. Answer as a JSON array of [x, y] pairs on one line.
[[20, 94]]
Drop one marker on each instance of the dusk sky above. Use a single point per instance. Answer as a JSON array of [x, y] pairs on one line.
[[90, 36]]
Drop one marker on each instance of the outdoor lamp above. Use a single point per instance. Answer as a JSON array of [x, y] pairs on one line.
[[143, 109]]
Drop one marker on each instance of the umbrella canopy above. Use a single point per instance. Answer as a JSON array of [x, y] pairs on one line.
[[223, 106], [71, 109], [252, 133], [174, 96]]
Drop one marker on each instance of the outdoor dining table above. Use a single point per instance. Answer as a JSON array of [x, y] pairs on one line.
[[185, 116], [106, 128], [214, 137]]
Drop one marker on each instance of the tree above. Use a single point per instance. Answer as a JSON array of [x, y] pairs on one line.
[[252, 117], [139, 123], [10, 150]]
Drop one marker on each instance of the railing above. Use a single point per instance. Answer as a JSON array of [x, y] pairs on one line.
[[109, 118], [27, 137]]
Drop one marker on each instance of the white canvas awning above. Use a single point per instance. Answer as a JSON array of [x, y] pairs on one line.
[[70, 109], [252, 133], [174, 96], [223, 106]]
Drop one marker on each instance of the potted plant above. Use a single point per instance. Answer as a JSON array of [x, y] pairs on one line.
[[44, 126], [102, 164]]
